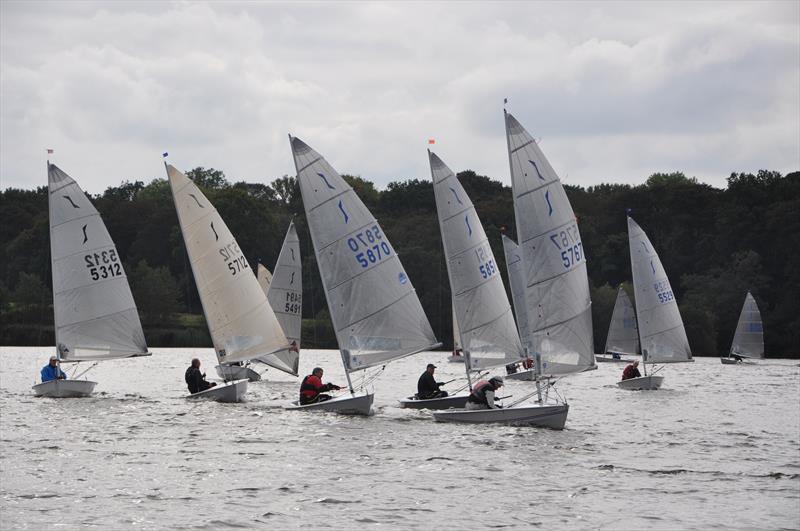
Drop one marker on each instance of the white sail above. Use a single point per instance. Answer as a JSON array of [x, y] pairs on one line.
[[263, 276], [95, 315], [556, 284], [748, 341], [456, 332], [374, 308], [285, 294], [661, 332], [516, 278], [239, 318], [488, 332], [623, 334]]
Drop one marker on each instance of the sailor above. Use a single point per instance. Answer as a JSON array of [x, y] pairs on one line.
[[482, 396], [312, 389], [52, 371], [427, 386], [631, 371], [195, 380]]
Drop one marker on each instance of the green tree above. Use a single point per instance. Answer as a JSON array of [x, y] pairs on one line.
[[155, 293]]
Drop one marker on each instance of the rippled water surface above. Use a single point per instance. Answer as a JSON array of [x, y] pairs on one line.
[[717, 448]]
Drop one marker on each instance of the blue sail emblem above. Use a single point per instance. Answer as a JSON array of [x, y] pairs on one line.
[[325, 181], [466, 220], [535, 167], [652, 267], [402, 277], [456, 196], [547, 198], [341, 207]]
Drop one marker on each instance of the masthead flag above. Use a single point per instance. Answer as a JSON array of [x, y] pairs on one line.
[[431, 141], [49, 151]]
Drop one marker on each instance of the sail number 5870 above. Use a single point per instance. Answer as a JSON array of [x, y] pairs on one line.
[[368, 246]]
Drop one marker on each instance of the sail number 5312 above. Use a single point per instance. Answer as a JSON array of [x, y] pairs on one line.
[[368, 246]]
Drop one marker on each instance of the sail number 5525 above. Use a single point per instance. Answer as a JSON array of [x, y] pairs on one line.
[[368, 246]]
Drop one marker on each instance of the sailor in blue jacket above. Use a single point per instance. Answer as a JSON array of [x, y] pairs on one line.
[[52, 371]]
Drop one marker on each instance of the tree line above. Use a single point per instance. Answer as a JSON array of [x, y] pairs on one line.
[[715, 244]]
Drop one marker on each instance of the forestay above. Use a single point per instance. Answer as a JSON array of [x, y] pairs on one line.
[[516, 279], [374, 308], [239, 318], [95, 315], [661, 332], [623, 334], [488, 333], [554, 263], [285, 293], [748, 341]]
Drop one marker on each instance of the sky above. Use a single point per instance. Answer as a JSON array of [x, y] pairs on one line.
[[615, 91]]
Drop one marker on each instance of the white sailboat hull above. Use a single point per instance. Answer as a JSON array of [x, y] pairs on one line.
[[448, 402], [603, 358], [642, 383], [227, 392], [64, 388], [729, 361], [352, 404], [552, 416], [455, 359], [237, 372], [527, 375]]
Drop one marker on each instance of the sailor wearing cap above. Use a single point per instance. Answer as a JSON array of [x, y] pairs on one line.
[[482, 396], [52, 371], [427, 386]]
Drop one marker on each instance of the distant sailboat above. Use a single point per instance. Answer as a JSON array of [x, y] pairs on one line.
[[95, 315], [375, 310], [557, 305], [748, 340], [661, 333], [623, 334], [488, 332], [239, 318]]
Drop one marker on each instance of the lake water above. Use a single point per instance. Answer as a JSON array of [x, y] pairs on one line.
[[717, 448]]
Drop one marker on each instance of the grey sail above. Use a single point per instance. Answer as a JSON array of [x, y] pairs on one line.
[[285, 295], [516, 279], [95, 315], [623, 334], [661, 333], [375, 310], [488, 334], [748, 340], [553, 259]]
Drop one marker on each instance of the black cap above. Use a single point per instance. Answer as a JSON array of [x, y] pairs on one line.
[[431, 366]]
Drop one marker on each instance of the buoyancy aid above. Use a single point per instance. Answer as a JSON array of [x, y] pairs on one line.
[[311, 386], [478, 395]]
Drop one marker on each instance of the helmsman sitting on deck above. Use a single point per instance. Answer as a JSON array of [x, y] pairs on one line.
[[427, 386], [312, 388], [482, 396], [631, 371], [195, 380], [52, 371]]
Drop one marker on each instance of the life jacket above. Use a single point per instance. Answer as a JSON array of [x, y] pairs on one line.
[[310, 386], [630, 372], [478, 395]]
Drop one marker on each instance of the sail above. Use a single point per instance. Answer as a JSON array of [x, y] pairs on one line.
[[264, 277], [239, 318], [748, 341], [661, 332], [623, 334], [375, 310], [554, 263], [285, 294], [517, 281], [95, 315], [488, 332], [456, 332]]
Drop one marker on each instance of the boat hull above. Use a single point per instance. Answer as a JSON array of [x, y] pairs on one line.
[[351, 404], [227, 392], [729, 361], [455, 359], [237, 372], [64, 388], [608, 359], [642, 383], [552, 416], [527, 375], [448, 402]]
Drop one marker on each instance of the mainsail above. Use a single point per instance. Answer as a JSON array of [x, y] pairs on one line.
[[264, 277], [661, 332], [554, 263], [488, 332], [239, 318], [516, 278], [375, 310], [623, 334], [748, 341], [285, 295], [95, 315]]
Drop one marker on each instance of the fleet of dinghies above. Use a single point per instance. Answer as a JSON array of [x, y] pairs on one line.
[[376, 314]]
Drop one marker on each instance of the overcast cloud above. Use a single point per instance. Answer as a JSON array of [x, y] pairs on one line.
[[616, 91]]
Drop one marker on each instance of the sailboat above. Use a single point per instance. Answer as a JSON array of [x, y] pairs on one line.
[[623, 334], [457, 356], [94, 312], [375, 310], [239, 318], [557, 305], [748, 340], [661, 333], [284, 291], [488, 332]]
